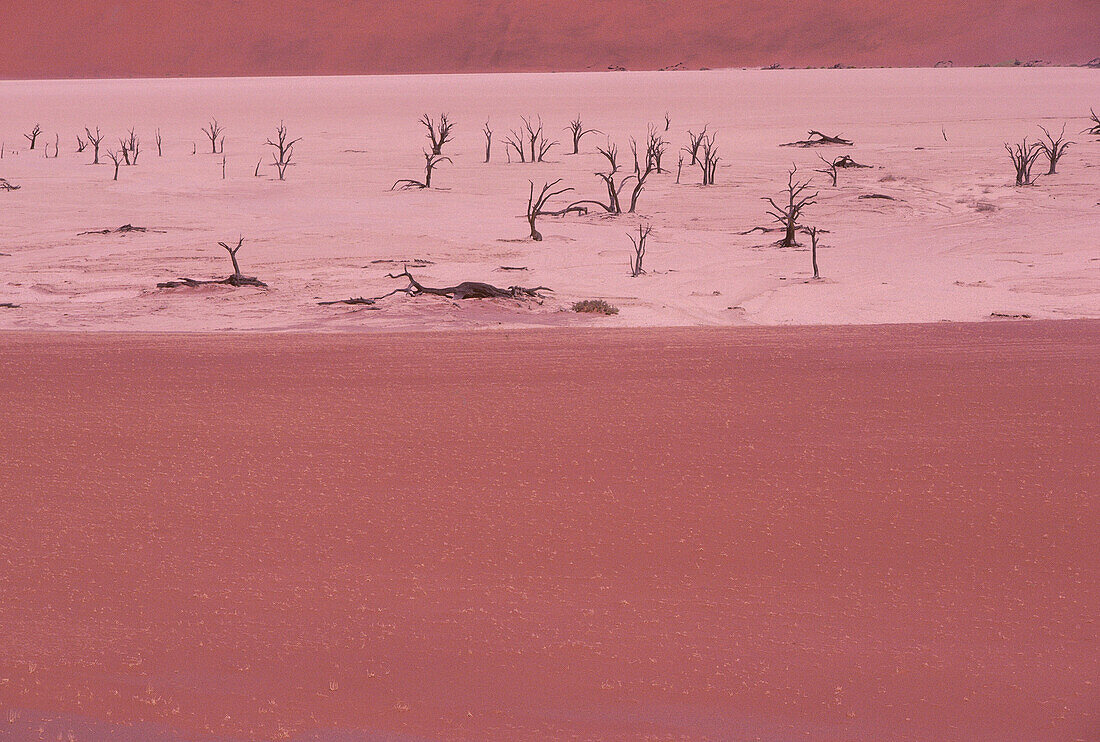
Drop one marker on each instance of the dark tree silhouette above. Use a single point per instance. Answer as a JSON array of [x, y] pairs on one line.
[[536, 205], [32, 137], [578, 131], [94, 140], [438, 133], [1023, 157], [284, 150], [213, 132], [430, 163], [116, 159], [1054, 148], [488, 140], [639, 250], [788, 214]]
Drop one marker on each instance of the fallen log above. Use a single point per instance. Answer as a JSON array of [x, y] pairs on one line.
[[817, 139], [124, 229], [464, 290], [236, 280]]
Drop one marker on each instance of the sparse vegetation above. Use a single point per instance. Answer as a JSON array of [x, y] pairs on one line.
[[284, 151], [213, 132], [1023, 157], [1054, 148], [594, 306]]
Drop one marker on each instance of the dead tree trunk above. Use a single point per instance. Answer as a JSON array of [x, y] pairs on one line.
[[640, 174], [694, 142], [464, 290], [430, 163], [817, 139], [812, 231], [639, 250], [578, 132], [33, 136], [708, 161], [438, 134], [514, 140], [116, 159], [614, 189], [536, 206], [540, 145], [236, 279], [94, 140], [488, 141], [1054, 148], [213, 130], [830, 169], [1023, 157], [655, 149], [160, 151], [1094, 126], [81, 145], [284, 150], [788, 214]]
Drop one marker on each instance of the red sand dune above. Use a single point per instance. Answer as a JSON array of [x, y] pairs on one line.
[[128, 38], [824, 533]]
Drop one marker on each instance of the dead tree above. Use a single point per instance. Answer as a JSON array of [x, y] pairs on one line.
[[640, 174], [708, 158], [639, 250], [284, 150], [694, 142], [438, 134], [514, 140], [788, 214], [1054, 148], [830, 169], [1094, 126], [213, 131], [56, 146], [668, 121], [540, 145], [237, 279], [655, 149], [488, 140], [614, 189], [464, 290], [33, 136], [578, 131], [131, 147], [223, 167], [259, 164], [160, 150], [817, 139], [116, 159], [94, 140], [431, 161], [81, 145], [1023, 157], [813, 232], [679, 167], [536, 205], [6, 185]]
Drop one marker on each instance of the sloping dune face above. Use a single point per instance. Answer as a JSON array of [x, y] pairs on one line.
[[135, 38]]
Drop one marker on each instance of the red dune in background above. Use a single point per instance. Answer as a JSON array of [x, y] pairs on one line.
[[860, 533], [137, 38]]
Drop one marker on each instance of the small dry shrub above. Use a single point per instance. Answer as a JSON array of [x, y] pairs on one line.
[[595, 306]]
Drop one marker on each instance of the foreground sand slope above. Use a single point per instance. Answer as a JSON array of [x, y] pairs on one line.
[[865, 533], [959, 243]]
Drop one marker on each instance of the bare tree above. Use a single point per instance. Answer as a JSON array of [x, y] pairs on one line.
[[431, 161], [284, 150], [610, 152], [830, 169], [813, 232], [640, 174], [578, 131], [160, 142], [94, 140], [1023, 157], [488, 140], [514, 140], [56, 146], [438, 134], [1094, 125], [679, 167], [694, 142], [131, 148], [788, 214], [33, 136], [259, 163], [236, 279], [213, 131], [81, 145], [1054, 148], [116, 159], [655, 149], [536, 205], [708, 159], [668, 121], [223, 167], [540, 145], [639, 250], [124, 151]]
